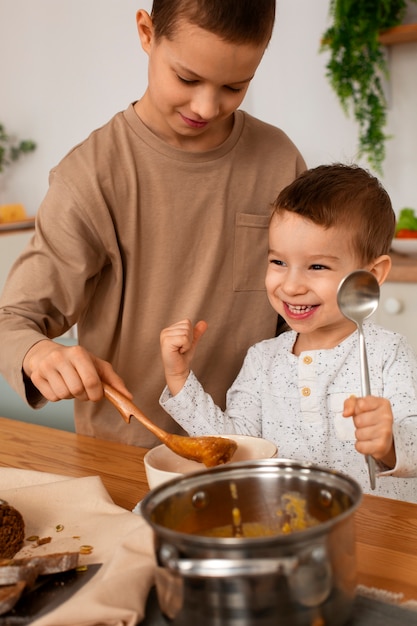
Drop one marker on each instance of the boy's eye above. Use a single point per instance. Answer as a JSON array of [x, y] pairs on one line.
[[317, 266], [191, 81], [276, 262], [187, 81], [234, 89]]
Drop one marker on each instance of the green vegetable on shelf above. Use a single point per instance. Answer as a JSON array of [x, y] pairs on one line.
[[407, 221]]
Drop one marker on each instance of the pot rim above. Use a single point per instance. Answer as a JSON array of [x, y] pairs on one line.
[[160, 493]]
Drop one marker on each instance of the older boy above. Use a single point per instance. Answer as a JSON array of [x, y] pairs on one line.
[[161, 214]]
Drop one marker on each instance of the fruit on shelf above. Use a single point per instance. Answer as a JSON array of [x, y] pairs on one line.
[[12, 213]]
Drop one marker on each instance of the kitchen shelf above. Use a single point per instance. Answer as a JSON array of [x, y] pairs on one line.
[[404, 268], [399, 34]]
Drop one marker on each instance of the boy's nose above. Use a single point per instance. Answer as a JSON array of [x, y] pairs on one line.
[[205, 104], [294, 284]]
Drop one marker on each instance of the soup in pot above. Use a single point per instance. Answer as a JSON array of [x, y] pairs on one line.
[[291, 516]]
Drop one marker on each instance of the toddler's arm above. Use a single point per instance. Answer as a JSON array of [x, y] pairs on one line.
[[178, 344]]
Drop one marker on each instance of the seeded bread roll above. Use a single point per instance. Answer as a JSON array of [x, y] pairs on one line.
[[12, 531]]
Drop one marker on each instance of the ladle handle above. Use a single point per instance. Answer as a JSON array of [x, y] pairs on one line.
[[365, 385], [366, 391], [127, 410]]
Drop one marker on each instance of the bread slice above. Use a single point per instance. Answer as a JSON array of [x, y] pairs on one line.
[[17, 574]]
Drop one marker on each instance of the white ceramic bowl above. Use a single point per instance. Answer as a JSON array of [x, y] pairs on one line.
[[161, 464], [404, 246]]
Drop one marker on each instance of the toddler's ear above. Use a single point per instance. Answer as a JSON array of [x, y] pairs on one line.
[[381, 267], [145, 29]]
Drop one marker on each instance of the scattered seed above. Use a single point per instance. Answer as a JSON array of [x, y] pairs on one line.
[[32, 538], [81, 568], [86, 549], [59, 528], [44, 540], [76, 537]]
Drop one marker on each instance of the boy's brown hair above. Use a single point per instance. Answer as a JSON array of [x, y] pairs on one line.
[[236, 21], [343, 196]]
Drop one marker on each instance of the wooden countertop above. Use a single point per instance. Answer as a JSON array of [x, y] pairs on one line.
[[386, 530], [34, 447]]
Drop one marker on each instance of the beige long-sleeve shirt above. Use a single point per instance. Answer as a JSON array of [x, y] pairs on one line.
[[135, 234]]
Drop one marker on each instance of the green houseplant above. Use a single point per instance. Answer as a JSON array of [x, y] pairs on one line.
[[357, 66], [11, 149]]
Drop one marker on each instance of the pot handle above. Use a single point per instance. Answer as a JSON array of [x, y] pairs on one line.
[[225, 568]]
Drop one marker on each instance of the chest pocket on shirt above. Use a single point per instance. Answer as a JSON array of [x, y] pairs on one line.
[[343, 426], [251, 252]]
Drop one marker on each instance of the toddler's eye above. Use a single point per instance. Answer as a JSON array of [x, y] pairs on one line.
[[276, 262], [317, 266]]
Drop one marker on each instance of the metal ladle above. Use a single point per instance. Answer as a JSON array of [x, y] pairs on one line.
[[358, 298], [208, 450]]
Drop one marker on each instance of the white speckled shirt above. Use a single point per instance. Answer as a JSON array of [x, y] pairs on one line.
[[297, 402]]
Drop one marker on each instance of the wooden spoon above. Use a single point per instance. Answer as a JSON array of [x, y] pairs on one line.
[[208, 450]]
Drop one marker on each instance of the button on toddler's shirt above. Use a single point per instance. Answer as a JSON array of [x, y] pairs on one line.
[[308, 385]]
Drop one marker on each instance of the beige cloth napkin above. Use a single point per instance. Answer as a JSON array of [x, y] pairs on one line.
[[121, 541]]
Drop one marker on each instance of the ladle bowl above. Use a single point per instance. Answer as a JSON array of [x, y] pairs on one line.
[[208, 450], [358, 298]]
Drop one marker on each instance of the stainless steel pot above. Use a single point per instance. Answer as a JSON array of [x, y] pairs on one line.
[[303, 578]]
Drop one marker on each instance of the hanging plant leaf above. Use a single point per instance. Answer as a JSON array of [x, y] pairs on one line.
[[10, 150], [357, 66]]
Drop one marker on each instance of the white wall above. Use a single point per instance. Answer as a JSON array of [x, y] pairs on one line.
[[67, 66], [291, 91]]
